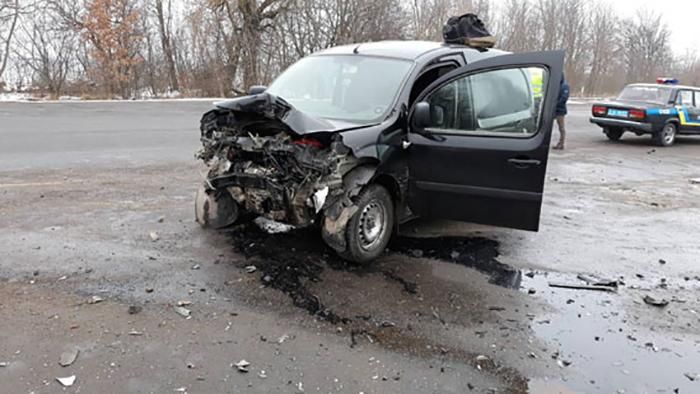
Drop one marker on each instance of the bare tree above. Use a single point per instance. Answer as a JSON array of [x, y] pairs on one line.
[[646, 46], [48, 49], [603, 38], [166, 42], [9, 14]]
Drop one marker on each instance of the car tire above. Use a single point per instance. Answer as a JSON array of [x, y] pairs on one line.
[[667, 135], [613, 133], [369, 230]]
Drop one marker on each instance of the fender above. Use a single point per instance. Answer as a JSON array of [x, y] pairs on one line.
[[337, 214]]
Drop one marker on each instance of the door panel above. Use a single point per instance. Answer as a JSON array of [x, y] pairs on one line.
[[689, 111], [483, 156]]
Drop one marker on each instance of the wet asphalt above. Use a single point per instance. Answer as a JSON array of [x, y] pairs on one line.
[[96, 201]]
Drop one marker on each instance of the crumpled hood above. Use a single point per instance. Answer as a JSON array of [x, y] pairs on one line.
[[273, 107]]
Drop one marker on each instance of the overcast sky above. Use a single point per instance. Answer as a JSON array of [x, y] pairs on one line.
[[682, 17]]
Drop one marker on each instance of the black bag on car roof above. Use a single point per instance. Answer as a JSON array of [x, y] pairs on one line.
[[467, 29]]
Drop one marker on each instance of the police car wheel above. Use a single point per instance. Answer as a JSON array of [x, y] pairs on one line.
[[613, 133], [667, 135]]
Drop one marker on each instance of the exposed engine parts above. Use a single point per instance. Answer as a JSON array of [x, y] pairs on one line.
[[269, 170]]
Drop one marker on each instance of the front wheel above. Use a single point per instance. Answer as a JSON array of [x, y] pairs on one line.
[[369, 230], [613, 133], [667, 135]]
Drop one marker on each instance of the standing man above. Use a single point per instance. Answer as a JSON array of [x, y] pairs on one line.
[[561, 112]]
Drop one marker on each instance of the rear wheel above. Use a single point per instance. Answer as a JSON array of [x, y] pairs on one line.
[[369, 230], [667, 135], [613, 133]]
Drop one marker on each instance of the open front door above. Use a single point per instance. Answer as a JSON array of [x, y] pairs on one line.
[[479, 141]]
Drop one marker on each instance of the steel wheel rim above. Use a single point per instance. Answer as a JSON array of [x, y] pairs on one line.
[[372, 225], [669, 134]]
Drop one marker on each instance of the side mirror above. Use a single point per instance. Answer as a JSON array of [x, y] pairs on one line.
[[257, 89], [421, 115]]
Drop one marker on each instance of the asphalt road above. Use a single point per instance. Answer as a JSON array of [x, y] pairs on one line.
[[451, 308]]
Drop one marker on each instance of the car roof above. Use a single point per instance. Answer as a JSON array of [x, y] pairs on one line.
[[408, 50], [665, 85]]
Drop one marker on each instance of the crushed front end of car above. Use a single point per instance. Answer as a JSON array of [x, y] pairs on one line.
[[266, 158]]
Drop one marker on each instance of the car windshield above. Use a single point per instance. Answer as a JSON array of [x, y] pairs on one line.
[[347, 87], [651, 94]]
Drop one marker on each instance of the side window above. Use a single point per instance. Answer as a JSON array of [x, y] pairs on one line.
[[497, 102], [429, 77], [685, 97], [697, 99]]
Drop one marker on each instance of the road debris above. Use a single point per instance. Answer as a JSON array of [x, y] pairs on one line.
[[271, 226], [282, 338], [67, 381], [658, 302], [242, 366], [695, 181], [184, 312], [262, 374], [483, 362], [154, 236], [135, 333], [693, 377], [196, 267], [251, 269], [184, 303], [134, 309], [69, 357], [596, 281], [576, 286], [149, 290], [4, 364], [563, 363], [95, 300]]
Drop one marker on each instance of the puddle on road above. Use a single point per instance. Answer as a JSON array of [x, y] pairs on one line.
[[595, 331], [478, 253]]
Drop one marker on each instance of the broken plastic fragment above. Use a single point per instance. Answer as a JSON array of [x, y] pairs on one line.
[[319, 199], [655, 301], [67, 381], [271, 226], [184, 312], [69, 357], [242, 365]]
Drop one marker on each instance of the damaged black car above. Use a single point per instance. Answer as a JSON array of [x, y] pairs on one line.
[[359, 139]]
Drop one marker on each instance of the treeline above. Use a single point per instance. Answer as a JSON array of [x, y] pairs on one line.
[[137, 48]]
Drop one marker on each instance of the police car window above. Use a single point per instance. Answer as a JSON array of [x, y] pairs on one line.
[[685, 97], [498, 102], [646, 93]]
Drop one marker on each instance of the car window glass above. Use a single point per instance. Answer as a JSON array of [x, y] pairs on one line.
[[685, 97], [496, 102], [697, 98]]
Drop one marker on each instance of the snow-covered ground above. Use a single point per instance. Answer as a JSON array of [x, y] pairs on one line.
[[28, 98]]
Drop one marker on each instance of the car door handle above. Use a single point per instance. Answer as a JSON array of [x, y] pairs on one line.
[[524, 163]]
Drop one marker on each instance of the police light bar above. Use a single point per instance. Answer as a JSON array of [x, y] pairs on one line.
[[667, 81]]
